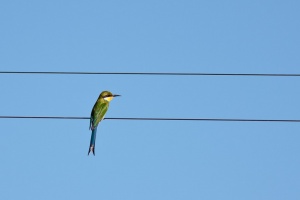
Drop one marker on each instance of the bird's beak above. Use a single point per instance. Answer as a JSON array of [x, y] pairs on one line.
[[116, 95]]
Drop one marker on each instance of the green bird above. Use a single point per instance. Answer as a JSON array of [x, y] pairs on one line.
[[98, 114]]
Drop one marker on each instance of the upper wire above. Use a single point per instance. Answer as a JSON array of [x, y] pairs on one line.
[[152, 73]]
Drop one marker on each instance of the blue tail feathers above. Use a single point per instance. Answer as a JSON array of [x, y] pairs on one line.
[[93, 141]]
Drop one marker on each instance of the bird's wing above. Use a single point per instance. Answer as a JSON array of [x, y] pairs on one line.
[[98, 114]]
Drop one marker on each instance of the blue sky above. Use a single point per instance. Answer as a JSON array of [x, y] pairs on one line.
[[47, 159]]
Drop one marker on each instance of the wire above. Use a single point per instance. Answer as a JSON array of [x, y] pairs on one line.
[[150, 73], [157, 119]]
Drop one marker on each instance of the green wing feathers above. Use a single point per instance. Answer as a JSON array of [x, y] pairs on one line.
[[98, 113]]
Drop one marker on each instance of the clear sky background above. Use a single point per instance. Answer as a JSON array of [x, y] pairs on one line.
[[47, 159]]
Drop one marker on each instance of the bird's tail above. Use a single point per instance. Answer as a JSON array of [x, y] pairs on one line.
[[93, 140]]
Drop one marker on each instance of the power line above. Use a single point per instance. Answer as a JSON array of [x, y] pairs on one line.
[[157, 119], [152, 73]]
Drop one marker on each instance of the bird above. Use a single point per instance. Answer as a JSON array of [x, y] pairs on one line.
[[97, 115]]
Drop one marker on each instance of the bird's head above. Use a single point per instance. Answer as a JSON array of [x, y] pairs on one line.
[[107, 95]]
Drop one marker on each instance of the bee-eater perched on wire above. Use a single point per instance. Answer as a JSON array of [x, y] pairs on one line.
[[98, 114]]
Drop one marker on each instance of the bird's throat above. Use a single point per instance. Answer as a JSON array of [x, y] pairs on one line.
[[108, 98]]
